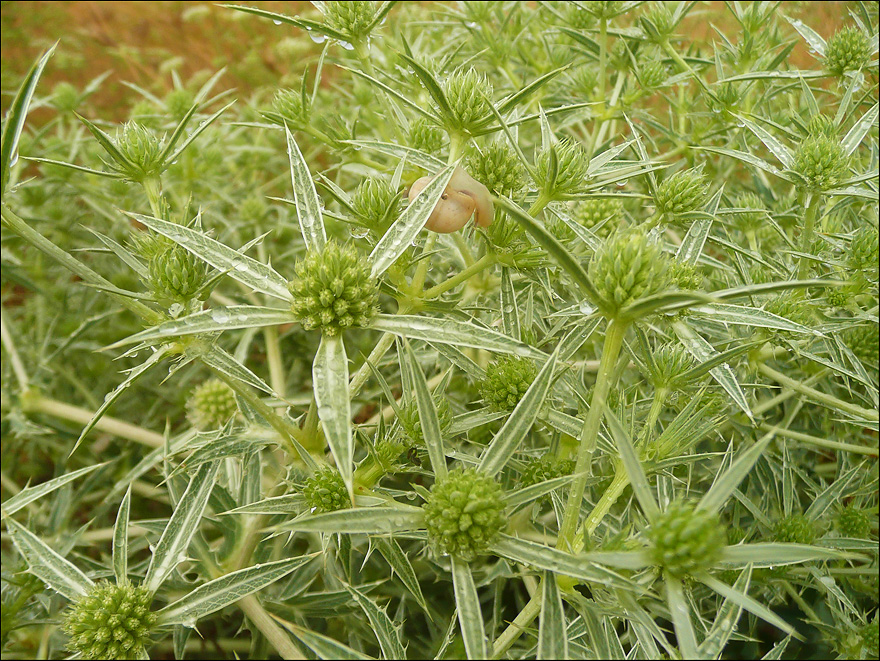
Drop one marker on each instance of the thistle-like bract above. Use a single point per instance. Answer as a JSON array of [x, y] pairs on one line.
[[412, 425], [572, 165], [854, 521], [683, 192], [469, 95], [211, 405], [820, 162], [372, 202], [333, 290], [507, 380], [863, 341], [684, 539], [141, 148], [352, 17], [543, 468], [110, 622], [464, 513], [176, 274]]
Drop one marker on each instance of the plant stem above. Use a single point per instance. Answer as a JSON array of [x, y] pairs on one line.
[[17, 366], [282, 643], [276, 365], [484, 262], [609, 497], [603, 58], [610, 351], [822, 398], [418, 281], [153, 189], [35, 403], [812, 203], [820, 442], [360, 377], [515, 629]]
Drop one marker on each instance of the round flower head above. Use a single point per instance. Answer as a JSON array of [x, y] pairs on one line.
[[507, 380], [65, 97], [333, 290], [669, 362], [853, 521], [178, 102], [141, 148], [464, 513], [822, 125], [864, 251], [820, 162], [685, 540], [847, 50], [572, 164], [863, 341], [685, 275], [469, 95], [498, 168], [373, 201], [652, 74], [211, 405], [288, 104], [412, 425], [543, 468], [626, 267], [755, 217], [601, 215], [176, 274], [110, 622], [795, 529], [425, 137], [325, 491], [351, 17], [683, 192]]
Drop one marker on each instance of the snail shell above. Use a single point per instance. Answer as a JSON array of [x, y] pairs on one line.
[[463, 197]]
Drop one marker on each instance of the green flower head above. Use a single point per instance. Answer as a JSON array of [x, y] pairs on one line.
[[601, 215], [685, 540], [176, 274], [497, 168], [847, 50], [469, 95], [110, 622], [571, 168], [141, 148], [626, 267], [820, 162], [507, 380], [795, 529], [351, 17], [334, 290], [683, 192], [464, 513], [325, 491], [412, 425], [373, 202], [211, 405]]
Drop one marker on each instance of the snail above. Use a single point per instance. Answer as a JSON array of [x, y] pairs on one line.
[[463, 197]]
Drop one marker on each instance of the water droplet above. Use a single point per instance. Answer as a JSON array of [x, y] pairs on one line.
[[622, 183], [276, 22], [471, 24], [241, 267], [346, 45], [317, 38], [220, 316], [586, 308], [522, 350]]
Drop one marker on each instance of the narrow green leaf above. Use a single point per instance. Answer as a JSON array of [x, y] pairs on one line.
[[509, 103], [396, 94], [74, 166], [113, 395], [746, 602], [120, 540], [508, 438], [47, 565], [470, 616], [223, 362], [681, 617], [633, 465], [521, 496], [427, 413], [725, 484], [246, 270], [289, 504], [195, 134], [725, 620], [308, 206], [387, 634], [776, 148], [366, 520], [30, 494], [406, 228], [330, 379], [509, 312], [860, 129], [413, 156], [552, 245], [13, 122], [226, 590], [309, 26], [552, 633], [749, 159], [401, 566], [177, 133], [741, 315], [703, 351], [456, 333], [171, 548], [215, 320], [814, 39], [327, 648], [777, 554], [430, 83]]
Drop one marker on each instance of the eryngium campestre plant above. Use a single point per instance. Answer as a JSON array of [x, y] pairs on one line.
[[224, 324]]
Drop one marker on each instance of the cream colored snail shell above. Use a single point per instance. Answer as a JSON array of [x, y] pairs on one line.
[[463, 197]]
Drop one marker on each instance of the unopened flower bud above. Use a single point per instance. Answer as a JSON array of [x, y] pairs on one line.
[[211, 405]]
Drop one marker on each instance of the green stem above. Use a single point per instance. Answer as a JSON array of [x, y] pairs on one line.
[[820, 397], [609, 497], [820, 442], [360, 377], [418, 281], [684, 66], [484, 262], [812, 203], [656, 407], [276, 364], [35, 403], [610, 352], [515, 629], [153, 189], [603, 58], [18, 369]]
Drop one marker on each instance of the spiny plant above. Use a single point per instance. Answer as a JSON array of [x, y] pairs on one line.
[[486, 330]]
